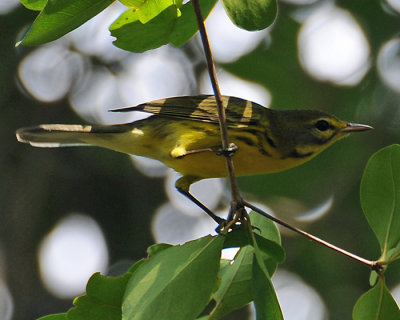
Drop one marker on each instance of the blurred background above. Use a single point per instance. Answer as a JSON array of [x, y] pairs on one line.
[[67, 213]]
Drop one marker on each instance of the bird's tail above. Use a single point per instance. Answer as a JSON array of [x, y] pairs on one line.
[[61, 135], [54, 135]]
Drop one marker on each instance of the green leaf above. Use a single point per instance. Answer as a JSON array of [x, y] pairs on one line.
[[264, 296], [251, 14], [373, 278], [136, 265], [234, 290], [268, 240], [152, 8], [241, 238], [265, 227], [176, 283], [395, 253], [376, 304], [34, 4], [132, 35], [58, 316], [272, 253], [170, 25], [132, 3], [380, 196], [60, 17], [186, 25], [103, 299], [156, 248]]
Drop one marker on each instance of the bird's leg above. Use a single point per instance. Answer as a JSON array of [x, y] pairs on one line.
[[183, 185]]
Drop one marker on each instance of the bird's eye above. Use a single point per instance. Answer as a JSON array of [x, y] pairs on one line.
[[322, 125]]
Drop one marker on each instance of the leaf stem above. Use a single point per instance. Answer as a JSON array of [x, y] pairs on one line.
[[236, 202], [374, 265]]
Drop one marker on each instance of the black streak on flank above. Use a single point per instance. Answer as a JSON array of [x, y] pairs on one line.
[[260, 144], [247, 141], [270, 141]]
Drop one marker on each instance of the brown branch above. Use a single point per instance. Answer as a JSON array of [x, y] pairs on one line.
[[374, 265], [236, 202]]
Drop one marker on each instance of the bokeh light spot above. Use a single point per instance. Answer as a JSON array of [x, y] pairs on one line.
[[155, 74], [170, 225], [316, 212], [150, 167], [228, 41], [231, 85], [70, 254], [6, 302], [93, 37], [389, 64], [6, 6], [393, 4], [396, 294], [333, 47], [94, 95], [298, 300], [47, 72]]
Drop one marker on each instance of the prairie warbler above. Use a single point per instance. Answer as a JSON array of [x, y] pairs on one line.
[[183, 133]]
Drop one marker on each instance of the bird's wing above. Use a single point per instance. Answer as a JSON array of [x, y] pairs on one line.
[[202, 108]]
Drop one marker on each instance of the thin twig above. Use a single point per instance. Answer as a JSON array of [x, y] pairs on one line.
[[374, 265], [236, 197]]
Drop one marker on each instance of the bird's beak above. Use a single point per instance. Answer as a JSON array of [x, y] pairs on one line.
[[355, 127]]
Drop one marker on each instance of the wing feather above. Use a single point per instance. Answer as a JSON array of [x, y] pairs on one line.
[[202, 108]]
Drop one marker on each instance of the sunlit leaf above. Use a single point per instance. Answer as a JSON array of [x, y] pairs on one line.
[[132, 3], [152, 8], [60, 17], [34, 4], [103, 298], [376, 304], [251, 14], [380, 196], [172, 25], [176, 283], [132, 35]]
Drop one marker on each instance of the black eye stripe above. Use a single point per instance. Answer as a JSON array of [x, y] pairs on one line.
[[322, 125]]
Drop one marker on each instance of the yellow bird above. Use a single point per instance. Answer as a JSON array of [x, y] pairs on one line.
[[183, 133]]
